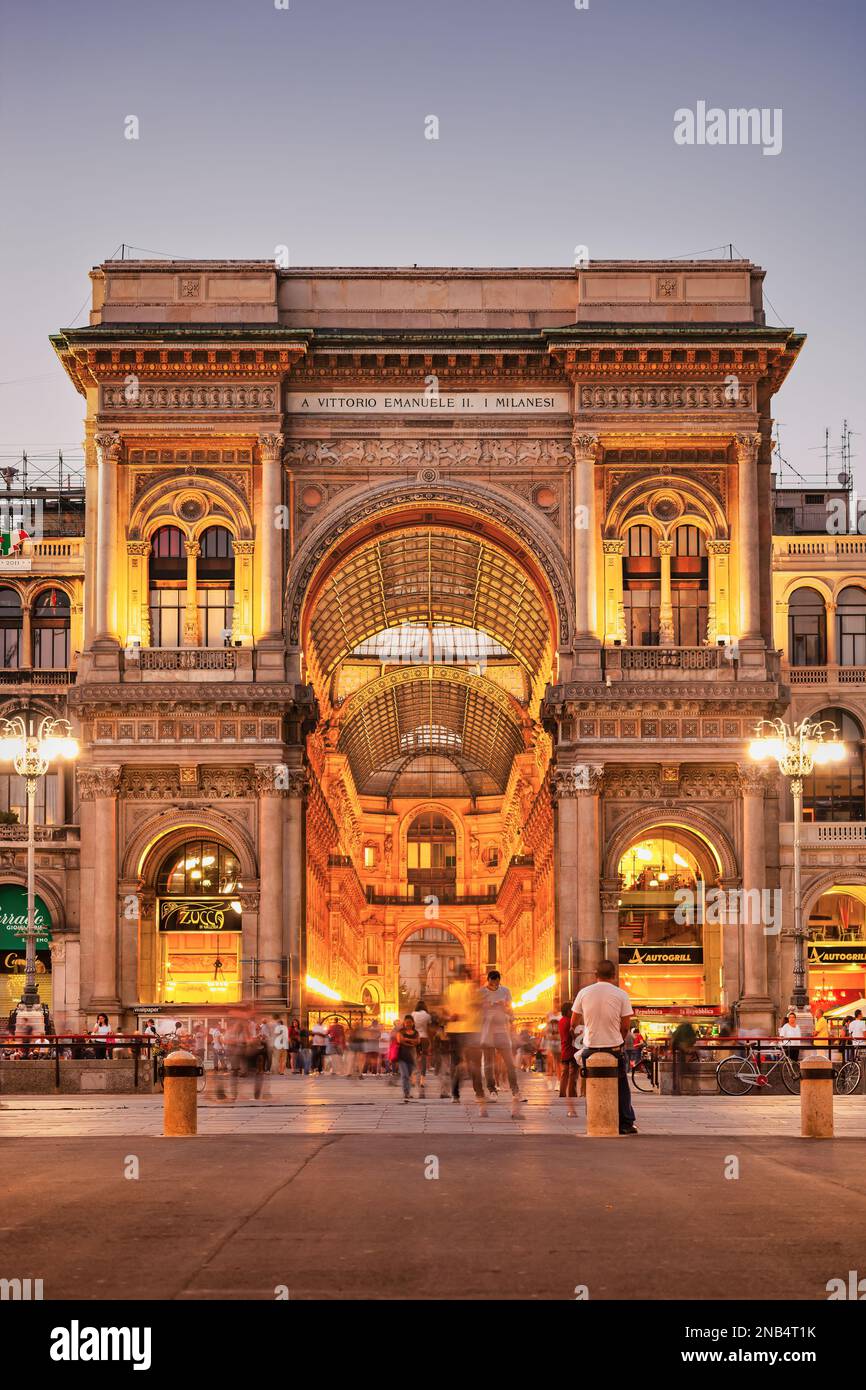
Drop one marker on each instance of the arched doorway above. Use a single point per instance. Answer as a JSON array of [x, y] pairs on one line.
[[669, 928], [429, 639], [199, 917], [429, 960], [836, 956]]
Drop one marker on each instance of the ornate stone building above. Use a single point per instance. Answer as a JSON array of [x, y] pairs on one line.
[[429, 615]]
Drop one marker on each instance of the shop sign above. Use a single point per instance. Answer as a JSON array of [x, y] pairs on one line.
[[679, 1011], [198, 914], [403, 403], [13, 919], [837, 953], [14, 962], [661, 955]]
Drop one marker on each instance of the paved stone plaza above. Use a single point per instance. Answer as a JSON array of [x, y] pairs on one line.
[[332, 1105]]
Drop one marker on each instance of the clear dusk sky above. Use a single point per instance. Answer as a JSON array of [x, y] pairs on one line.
[[305, 126]]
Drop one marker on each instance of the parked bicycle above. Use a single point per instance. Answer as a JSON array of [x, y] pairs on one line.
[[754, 1069], [643, 1072]]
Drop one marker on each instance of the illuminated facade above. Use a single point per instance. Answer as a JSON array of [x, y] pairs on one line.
[[429, 615]]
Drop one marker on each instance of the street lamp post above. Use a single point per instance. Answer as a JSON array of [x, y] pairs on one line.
[[797, 751], [31, 754]]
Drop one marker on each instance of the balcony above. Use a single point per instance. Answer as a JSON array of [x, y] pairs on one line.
[[45, 834], [28, 677], [841, 834], [827, 549], [824, 675], [155, 664], [667, 663]]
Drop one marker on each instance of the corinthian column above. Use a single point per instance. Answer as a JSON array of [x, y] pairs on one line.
[[590, 938], [666, 608], [270, 534], [757, 920], [107, 455], [270, 791], [190, 616], [295, 879], [746, 446], [585, 533], [98, 788]]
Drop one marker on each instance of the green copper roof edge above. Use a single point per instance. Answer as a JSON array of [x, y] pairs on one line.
[[539, 336]]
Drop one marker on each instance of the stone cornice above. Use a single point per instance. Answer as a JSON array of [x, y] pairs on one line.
[[715, 693]]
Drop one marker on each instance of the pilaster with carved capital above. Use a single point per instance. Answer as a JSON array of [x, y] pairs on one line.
[[242, 618], [585, 533], [108, 449], [746, 447], [270, 533], [270, 779], [97, 782]]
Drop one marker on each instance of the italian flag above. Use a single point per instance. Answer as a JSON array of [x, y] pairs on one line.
[[12, 541]]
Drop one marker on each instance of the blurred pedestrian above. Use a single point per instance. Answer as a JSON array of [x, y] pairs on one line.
[[464, 1028], [422, 1021], [408, 1041], [280, 1044], [497, 1015], [567, 1061], [319, 1042]]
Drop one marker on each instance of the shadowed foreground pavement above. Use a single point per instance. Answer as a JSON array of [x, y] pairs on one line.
[[353, 1216]]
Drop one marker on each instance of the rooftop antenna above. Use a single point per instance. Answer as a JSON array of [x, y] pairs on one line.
[[826, 455]]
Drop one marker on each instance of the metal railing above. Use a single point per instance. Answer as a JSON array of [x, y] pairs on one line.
[[824, 675], [78, 1047]]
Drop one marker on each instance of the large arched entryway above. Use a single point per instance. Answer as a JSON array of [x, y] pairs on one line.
[[669, 925], [429, 638]]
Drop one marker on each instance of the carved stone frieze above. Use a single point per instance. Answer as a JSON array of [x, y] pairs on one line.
[[667, 396], [191, 396], [463, 453]]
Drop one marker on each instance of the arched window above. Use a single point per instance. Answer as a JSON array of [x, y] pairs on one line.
[[215, 574], [51, 614], [167, 570], [10, 629], [835, 791], [851, 626], [432, 857], [199, 867], [641, 587], [689, 586], [807, 628]]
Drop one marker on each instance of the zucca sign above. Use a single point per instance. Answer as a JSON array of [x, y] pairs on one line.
[[198, 914]]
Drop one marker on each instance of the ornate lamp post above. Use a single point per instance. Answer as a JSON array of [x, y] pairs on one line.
[[32, 754], [797, 751]]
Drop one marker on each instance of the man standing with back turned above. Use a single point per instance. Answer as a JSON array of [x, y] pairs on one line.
[[606, 1012]]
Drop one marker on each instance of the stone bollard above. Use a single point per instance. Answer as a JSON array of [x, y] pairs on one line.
[[602, 1094], [816, 1098], [179, 1112]]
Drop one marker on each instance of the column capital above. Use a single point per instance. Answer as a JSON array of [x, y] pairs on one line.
[[268, 780], [109, 442], [746, 446], [192, 549], [97, 782], [718, 547], [754, 781], [586, 445], [614, 546], [581, 779], [244, 547], [271, 447], [665, 547]]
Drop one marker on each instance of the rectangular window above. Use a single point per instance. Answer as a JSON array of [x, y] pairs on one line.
[[166, 617], [215, 615]]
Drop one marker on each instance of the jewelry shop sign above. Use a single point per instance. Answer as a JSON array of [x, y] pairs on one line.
[[403, 403], [199, 914]]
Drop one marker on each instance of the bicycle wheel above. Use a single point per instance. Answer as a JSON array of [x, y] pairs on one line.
[[847, 1079], [641, 1077], [791, 1076], [736, 1076]]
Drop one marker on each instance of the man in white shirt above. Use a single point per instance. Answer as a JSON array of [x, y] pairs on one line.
[[791, 1029], [605, 1011], [857, 1028], [497, 1015]]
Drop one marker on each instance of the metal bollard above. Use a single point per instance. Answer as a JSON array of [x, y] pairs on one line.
[[179, 1112], [816, 1098], [602, 1094]]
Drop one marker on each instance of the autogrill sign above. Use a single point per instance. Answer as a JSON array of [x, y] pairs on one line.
[[661, 955], [198, 914], [837, 955]]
